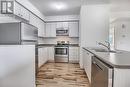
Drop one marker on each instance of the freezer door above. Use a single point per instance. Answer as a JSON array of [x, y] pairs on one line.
[[9, 33]]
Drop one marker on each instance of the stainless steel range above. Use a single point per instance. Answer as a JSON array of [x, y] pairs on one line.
[[62, 51]]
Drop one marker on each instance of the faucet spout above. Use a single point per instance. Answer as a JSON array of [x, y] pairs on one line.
[[108, 47]]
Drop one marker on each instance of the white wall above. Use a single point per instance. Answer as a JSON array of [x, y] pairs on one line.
[[120, 14], [122, 34], [94, 20], [120, 8]]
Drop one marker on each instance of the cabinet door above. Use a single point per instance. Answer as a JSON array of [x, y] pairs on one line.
[[88, 64], [53, 30], [17, 9], [48, 29], [21, 11], [87, 61], [51, 54], [45, 54], [40, 28], [65, 25], [42, 56], [74, 54], [59, 25], [43, 29], [25, 13], [39, 24], [33, 20], [73, 29]]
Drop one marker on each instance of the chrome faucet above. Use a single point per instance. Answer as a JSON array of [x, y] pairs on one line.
[[107, 46]]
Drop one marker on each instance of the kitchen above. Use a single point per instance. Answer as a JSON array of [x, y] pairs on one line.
[[72, 43]]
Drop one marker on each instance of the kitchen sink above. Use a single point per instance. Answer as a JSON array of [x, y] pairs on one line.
[[105, 50]]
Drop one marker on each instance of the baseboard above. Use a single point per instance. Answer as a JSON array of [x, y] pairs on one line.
[[51, 61], [74, 61]]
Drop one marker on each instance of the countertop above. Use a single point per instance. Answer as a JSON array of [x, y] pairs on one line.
[[120, 59]]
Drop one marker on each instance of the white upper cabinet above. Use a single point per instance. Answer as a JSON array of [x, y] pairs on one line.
[[25, 14], [53, 30], [47, 29], [59, 25], [50, 30], [41, 28], [21, 12], [63, 25], [73, 29], [34, 20]]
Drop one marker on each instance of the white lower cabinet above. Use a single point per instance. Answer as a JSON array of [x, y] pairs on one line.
[[74, 54], [87, 61], [45, 54], [50, 54], [42, 56]]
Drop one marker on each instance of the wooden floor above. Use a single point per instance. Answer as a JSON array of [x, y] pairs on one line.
[[61, 75]]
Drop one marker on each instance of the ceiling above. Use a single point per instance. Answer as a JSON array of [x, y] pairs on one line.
[[120, 5], [58, 7], [72, 7]]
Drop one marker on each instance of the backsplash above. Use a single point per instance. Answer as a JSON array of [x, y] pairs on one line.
[[54, 40]]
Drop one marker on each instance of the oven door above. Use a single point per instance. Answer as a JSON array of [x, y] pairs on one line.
[[61, 54], [61, 51]]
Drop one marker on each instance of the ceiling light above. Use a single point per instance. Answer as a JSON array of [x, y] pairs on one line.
[[59, 6]]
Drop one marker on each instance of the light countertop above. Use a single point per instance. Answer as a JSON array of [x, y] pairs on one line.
[[120, 59]]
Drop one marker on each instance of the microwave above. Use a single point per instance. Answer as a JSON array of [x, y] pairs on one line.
[[62, 32]]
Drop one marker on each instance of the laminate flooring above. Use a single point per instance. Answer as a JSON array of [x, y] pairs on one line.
[[61, 75]]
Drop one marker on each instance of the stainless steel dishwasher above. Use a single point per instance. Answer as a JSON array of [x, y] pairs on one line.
[[102, 74]]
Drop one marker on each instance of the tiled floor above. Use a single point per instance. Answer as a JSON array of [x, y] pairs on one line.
[[61, 75]]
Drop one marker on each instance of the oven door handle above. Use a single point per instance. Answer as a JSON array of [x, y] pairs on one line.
[[61, 47]]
